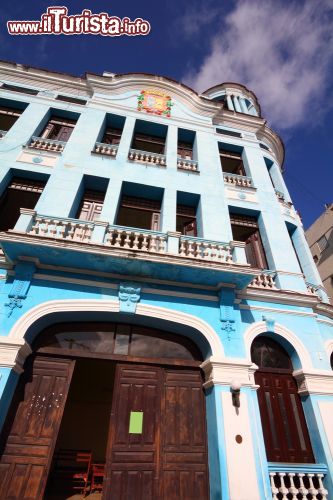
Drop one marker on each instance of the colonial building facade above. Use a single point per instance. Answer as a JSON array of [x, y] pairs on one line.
[[164, 331]]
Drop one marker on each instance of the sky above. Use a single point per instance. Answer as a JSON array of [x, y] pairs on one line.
[[281, 50]]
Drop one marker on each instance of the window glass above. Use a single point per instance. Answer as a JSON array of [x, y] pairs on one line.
[[269, 354]]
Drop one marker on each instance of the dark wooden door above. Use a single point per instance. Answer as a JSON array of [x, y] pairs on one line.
[[168, 460], [184, 474], [133, 459], [32, 427], [284, 426]]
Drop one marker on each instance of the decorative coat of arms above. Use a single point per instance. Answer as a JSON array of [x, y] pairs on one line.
[[155, 102]]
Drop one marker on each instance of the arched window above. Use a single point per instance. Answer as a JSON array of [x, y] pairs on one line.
[[332, 360], [285, 432]]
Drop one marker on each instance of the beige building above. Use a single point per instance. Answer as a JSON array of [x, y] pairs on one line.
[[320, 239]]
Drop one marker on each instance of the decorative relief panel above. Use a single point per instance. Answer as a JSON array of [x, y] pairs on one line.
[[155, 102]]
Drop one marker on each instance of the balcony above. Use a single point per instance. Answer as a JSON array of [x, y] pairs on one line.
[[265, 280], [110, 150], [46, 144], [99, 246], [188, 165], [147, 157], [298, 481], [237, 180]]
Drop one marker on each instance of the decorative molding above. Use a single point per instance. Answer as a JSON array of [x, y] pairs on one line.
[[20, 328], [227, 299], [314, 382], [294, 312], [224, 371], [260, 327], [13, 354], [129, 295], [270, 323], [21, 284]]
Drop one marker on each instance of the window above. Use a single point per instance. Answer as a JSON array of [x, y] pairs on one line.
[[322, 243], [91, 205], [113, 129], [228, 132], [58, 129], [74, 100], [332, 360], [245, 228], [139, 212], [20, 193], [231, 161], [186, 220], [186, 140], [16, 88], [284, 427], [8, 117], [149, 137]]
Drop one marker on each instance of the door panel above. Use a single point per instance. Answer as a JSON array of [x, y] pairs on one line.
[[284, 427], [184, 447], [132, 459], [33, 428], [169, 459]]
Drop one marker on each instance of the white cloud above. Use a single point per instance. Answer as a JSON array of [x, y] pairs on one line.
[[283, 52]]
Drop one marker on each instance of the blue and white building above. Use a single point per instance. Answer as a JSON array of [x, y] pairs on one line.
[[150, 249]]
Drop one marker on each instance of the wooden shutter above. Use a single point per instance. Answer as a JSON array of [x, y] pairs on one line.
[[284, 427], [133, 459], [91, 205], [184, 447], [32, 428], [254, 250]]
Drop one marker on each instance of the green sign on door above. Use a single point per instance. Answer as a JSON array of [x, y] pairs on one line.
[[136, 422]]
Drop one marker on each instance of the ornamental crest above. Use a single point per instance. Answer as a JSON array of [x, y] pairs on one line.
[[155, 102]]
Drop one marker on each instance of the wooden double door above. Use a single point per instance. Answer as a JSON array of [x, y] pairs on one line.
[[164, 455]]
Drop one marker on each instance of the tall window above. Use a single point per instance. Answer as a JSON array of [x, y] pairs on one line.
[[186, 220], [245, 228], [285, 432], [20, 193], [231, 161], [8, 117], [149, 137], [185, 144], [58, 129], [139, 212]]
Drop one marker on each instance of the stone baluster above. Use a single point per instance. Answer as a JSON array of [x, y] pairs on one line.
[[152, 243], [312, 490], [302, 490], [182, 249], [283, 490], [292, 490], [145, 243], [322, 490], [275, 490]]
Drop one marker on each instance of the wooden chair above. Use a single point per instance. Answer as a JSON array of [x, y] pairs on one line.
[[71, 469], [97, 476]]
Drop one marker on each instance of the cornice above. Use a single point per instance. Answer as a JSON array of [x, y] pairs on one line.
[[314, 382], [324, 309], [224, 371], [278, 296]]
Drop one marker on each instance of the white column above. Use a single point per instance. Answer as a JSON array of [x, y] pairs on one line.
[[243, 105], [236, 104], [230, 105]]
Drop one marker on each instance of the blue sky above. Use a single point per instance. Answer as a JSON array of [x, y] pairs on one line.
[[281, 50]]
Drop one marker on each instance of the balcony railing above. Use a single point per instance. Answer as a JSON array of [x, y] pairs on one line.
[[264, 280], [237, 180], [106, 149], [46, 144], [3, 133], [190, 165], [135, 239], [198, 248], [298, 482], [147, 157], [63, 229]]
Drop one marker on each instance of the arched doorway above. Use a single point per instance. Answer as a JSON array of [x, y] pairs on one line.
[[127, 398], [284, 427]]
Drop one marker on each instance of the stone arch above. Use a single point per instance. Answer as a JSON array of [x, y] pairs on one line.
[[17, 335], [303, 358]]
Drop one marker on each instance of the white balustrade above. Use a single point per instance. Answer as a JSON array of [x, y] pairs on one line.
[[135, 239], [47, 144], [147, 157], [237, 180], [198, 248], [263, 280], [63, 229], [191, 165], [106, 149], [297, 486]]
